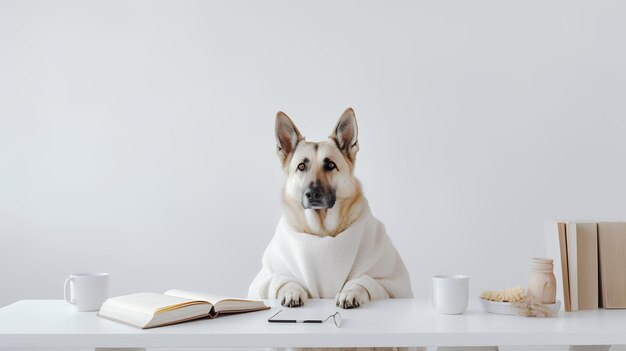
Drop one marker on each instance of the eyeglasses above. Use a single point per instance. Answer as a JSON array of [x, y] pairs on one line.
[[336, 318]]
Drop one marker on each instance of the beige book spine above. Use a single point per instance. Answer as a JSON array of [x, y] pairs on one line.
[[567, 305], [587, 250], [556, 248], [572, 259], [612, 251]]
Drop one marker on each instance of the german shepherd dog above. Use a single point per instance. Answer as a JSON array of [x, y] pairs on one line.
[[321, 195]]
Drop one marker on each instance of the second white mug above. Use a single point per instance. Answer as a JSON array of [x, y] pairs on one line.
[[450, 293], [87, 291]]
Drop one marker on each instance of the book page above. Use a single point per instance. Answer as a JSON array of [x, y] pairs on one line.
[[221, 303], [210, 298], [150, 303]]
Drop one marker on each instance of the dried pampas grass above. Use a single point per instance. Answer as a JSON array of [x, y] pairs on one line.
[[532, 307]]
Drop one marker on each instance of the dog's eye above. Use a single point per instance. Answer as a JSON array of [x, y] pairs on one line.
[[330, 166], [301, 166]]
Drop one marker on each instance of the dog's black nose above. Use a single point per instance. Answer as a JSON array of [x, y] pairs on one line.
[[316, 196], [314, 193]]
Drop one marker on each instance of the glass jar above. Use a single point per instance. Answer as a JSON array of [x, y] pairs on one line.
[[542, 283]]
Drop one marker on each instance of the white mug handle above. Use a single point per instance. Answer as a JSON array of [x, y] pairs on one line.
[[66, 290], [432, 295]]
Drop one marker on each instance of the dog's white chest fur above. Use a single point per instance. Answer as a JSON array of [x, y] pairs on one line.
[[329, 224]]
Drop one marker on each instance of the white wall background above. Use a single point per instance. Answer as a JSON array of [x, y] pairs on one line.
[[137, 137]]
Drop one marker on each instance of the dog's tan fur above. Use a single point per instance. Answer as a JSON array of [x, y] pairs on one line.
[[341, 148]]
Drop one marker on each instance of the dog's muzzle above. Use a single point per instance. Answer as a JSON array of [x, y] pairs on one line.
[[316, 197]]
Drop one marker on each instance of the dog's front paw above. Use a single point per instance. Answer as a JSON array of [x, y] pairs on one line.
[[292, 295], [352, 297], [292, 299]]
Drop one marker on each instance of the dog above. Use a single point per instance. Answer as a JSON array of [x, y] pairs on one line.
[[327, 244]]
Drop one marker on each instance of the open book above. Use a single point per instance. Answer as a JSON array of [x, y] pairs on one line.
[[148, 310]]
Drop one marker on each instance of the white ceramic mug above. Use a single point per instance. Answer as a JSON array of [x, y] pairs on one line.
[[450, 293], [87, 291]]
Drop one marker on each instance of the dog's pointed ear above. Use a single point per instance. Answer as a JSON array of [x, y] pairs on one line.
[[287, 136], [346, 134]]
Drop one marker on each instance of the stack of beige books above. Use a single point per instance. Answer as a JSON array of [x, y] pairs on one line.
[[590, 263]]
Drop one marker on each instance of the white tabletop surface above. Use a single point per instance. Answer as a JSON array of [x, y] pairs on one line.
[[399, 322]]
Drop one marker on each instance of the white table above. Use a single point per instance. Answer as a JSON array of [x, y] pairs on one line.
[[399, 322]]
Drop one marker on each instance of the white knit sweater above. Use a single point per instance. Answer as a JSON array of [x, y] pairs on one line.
[[362, 254]]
